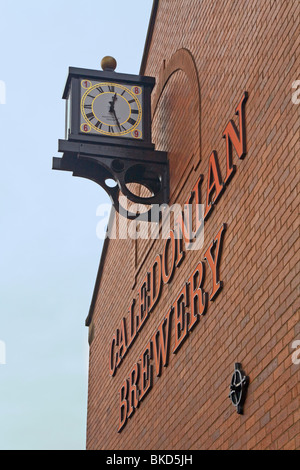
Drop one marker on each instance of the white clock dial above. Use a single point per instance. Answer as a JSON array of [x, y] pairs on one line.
[[111, 109]]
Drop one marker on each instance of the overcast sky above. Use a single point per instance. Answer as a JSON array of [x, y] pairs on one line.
[[49, 248]]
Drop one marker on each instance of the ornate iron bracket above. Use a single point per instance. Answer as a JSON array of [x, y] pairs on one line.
[[238, 388], [101, 163]]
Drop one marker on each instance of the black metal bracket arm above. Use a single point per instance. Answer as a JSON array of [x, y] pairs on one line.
[[125, 165]]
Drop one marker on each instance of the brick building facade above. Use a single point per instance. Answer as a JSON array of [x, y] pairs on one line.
[[222, 108]]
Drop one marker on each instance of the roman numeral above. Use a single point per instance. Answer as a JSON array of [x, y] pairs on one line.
[[110, 129], [88, 106], [123, 92], [100, 89], [134, 111], [98, 124], [90, 116], [111, 88], [131, 121], [91, 96], [131, 101]]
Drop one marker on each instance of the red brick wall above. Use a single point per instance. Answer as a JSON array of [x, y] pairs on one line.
[[223, 49]]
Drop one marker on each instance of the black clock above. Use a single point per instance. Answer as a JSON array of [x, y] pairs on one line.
[[108, 104], [108, 135]]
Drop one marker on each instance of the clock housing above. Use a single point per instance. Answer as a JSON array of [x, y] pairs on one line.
[[108, 107], [108, 138]]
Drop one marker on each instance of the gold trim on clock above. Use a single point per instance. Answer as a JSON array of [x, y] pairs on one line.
[[86, 81], [104, 89], [88, 127]]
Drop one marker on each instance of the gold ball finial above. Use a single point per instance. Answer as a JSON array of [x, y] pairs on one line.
[[108, 63]]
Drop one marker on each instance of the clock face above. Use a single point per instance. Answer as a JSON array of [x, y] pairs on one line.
[[111, 109]]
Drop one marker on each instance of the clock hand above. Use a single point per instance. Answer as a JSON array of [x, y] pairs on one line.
[[117, 121], [112, 103], [112, 109]]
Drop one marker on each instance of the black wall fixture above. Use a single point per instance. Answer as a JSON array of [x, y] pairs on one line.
[[238, 388], [108, 136]]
